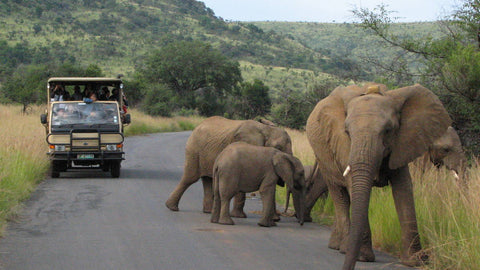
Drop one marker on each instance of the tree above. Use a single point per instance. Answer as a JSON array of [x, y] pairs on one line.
[[189, 66], [449, 66], [251, 100]]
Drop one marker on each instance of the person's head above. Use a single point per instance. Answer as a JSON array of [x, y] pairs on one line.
[[76, 89], [60, 112], [115, 92], [93, 96], [58, 88]]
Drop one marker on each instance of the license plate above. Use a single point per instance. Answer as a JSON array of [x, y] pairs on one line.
[[86, 156]]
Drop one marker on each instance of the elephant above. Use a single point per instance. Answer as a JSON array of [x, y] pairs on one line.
[[365, 136], [316, 188], [242, 167], [207, 140], [446, 151]]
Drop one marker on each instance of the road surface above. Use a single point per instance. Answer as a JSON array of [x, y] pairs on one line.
[[87, 220]]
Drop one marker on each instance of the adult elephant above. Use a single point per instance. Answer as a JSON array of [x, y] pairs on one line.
[[207, 141], [446, 151], [364, 137]]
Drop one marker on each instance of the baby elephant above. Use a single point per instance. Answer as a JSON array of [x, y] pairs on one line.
[[242, 167]]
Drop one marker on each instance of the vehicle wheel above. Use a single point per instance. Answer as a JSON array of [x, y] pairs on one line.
[[55, 174], [57, 167], [115, 169], [106, 166]]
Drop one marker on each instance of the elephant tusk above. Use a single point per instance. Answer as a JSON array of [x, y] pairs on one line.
[[347, 170], [455, 174]]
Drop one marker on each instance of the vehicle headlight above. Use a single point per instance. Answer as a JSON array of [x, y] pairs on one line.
[[59, 147], [111, 147]]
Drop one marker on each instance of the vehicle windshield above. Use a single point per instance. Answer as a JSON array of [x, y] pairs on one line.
[[81, 113]]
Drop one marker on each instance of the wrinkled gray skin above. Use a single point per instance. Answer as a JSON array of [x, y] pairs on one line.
[[316, 188], [446, 151], [242, 167], [207, 141], [375, 134]]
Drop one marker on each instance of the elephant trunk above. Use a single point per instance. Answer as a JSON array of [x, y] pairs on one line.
[[299, 204], [365, 160]]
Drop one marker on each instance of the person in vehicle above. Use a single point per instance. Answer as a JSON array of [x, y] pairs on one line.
[[59, 93], [77, 95]]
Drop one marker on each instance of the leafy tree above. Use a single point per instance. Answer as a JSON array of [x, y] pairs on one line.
[[449, 66], [27, 85], [189, 66], [251, 100], [159, 100]]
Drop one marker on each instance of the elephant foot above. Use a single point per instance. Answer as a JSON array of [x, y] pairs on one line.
[[226, 221], [307, 218], [207, 211], [366, 255], [335, 243], [276, 217], [238, 213], [267, 223], [171, 206], [418, 259]]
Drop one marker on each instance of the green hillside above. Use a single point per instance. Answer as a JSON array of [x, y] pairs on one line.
[[116, 34]]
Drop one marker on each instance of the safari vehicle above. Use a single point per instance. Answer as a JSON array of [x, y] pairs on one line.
[[83, 133]]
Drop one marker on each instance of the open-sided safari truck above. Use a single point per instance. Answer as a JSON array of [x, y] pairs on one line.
[[84, 133]]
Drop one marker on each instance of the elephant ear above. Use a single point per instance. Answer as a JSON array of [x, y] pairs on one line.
[[423, 119], [326, 126], [250, 131], [284, 168]]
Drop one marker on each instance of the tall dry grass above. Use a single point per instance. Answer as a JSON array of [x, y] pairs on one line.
[[448, 213], [23, 162]]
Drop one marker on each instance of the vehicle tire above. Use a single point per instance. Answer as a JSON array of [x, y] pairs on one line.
[[106, 166], [55, 174], [115, 169], [57, 167]]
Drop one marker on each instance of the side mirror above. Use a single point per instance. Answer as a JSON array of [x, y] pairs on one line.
[[126, 119], [43, 119]]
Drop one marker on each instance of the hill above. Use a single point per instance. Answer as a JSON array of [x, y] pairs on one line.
[[116, 34]]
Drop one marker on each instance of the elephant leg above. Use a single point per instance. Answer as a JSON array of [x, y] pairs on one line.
[[238, 205], [190, 176], [268, 202], [318, 189], [225, 209], [216, 202], [341, 201], [402, 191], [276, 214], [207, 194], [366, 250]]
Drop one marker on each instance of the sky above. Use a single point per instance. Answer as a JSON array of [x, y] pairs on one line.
[[326, 10]]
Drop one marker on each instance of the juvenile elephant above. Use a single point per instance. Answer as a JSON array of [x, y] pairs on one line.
[[207, 141], [243, 167], [364, 137]]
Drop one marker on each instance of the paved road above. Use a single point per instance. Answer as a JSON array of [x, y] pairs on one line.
[[90, 221]]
